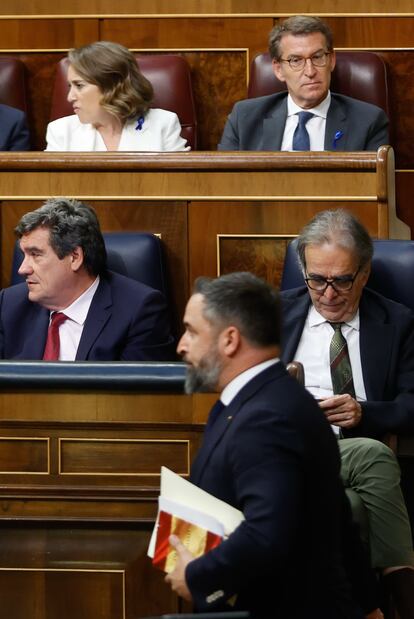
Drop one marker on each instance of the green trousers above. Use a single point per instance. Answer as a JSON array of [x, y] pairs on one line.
[[371, 476]]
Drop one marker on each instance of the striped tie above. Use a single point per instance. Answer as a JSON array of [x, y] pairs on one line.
[[341, 371]]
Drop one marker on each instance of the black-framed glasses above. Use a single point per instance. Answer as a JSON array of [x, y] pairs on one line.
[[343, 283], [297, 63]]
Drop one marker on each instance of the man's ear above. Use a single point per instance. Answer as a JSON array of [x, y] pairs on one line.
[[230, 341], [278, 70], [76, 257]]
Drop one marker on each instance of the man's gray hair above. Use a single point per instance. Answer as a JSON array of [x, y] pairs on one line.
[[298, 25], [336, 227], [71, 224], [245, 301]]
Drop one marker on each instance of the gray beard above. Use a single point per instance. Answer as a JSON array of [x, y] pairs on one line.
[[204, 378]]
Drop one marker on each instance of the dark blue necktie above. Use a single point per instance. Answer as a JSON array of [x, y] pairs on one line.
[[214, 413], [301, 135]]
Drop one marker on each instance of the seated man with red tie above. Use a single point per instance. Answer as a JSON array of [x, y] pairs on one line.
[[357, 349], [70, 306]]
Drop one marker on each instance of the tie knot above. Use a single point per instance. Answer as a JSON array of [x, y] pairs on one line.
[[336, 326], [57, 319], [304, 117]]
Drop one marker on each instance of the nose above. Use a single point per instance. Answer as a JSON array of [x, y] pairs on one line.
[[25, 268], [181, 346], [330, 292], [309, 68], [71, 95]]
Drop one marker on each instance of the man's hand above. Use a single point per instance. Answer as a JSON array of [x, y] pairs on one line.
[[342, 410], [176, 578]]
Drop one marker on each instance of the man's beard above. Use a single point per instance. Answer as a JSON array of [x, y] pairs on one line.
[[203, 378]]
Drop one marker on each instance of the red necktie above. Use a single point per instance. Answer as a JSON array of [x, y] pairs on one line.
[[52, 347]]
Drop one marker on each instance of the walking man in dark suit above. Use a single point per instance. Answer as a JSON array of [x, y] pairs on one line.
[[269, 452], [357, 349], [308, 116], [70, 306]]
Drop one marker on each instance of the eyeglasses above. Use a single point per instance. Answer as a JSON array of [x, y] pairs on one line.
[[297, 63], [340, 284]]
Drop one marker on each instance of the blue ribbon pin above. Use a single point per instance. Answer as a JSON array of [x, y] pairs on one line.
[[139, 123], [337, 137]]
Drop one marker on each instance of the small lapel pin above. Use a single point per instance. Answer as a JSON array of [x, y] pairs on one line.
[[229, 418], [139, 123], [337, 137]]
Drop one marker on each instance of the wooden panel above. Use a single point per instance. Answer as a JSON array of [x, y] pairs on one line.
[[376, 32], [24, 455], [26, 34], [208, 220], [405, 192], [198, 33], [78, 7], [79, 571], [122, 456]]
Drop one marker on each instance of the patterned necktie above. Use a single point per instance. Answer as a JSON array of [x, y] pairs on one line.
[[341, 371], [52, 347], [301, 136]]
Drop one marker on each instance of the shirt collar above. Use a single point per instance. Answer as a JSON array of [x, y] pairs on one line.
[[319, 110], [78, 310], [315, 319], [234, 386]]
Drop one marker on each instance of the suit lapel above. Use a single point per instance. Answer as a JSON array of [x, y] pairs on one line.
[[295, 311], [222, 424], [99, 313], [337, 129], [35, 341], [274, 126], [375, 367]]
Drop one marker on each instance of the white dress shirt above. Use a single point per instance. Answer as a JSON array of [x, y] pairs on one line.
[[315, 126], [70, 331], [234, 386]]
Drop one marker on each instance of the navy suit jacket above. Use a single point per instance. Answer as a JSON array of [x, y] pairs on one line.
[[258, 124], [272, 455], [14, 134], [126, 321], [387, 358]]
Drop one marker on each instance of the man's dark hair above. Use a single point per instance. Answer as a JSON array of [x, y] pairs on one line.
[[298, 25], [71, 224], [245, 301], [336, 227]]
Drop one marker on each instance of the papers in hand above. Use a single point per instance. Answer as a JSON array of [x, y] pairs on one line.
[[199, 519]]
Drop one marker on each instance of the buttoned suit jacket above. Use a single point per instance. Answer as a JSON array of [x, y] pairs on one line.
[[14, 134], [387, 358], [263, 455], [259, 124], [126, 321], [160, 131]]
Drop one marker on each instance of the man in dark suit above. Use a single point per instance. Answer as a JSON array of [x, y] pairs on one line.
[[377, 336], [303, 57], [101, 316], [270, 453], [14, 134]]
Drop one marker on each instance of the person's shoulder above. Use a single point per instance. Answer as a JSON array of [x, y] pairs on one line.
[[157, 114], [70, 123], [293, 293], [260, 103], [11, 113], [393, 309], [357, 105], [15, 294], [123, 284]]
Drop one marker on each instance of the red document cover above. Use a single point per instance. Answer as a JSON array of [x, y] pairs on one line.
[[195, 538]]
